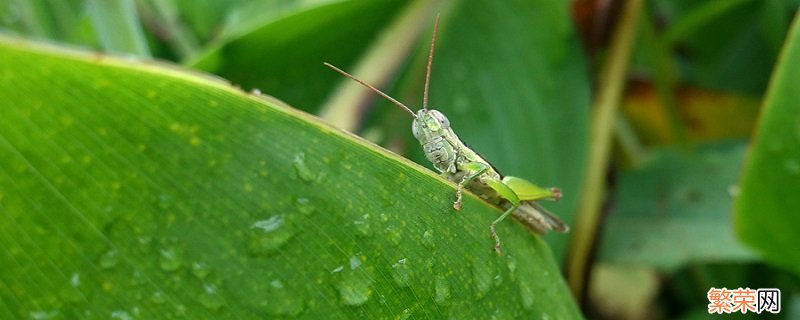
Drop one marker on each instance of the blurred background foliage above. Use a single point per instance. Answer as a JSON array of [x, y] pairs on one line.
[[699, 186]]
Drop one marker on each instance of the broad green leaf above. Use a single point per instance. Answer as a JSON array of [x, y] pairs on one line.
[[676, 209], [726, 45], [139, 190], [768, 210]]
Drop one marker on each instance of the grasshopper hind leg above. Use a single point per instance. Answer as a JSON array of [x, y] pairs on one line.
[[493, 233]]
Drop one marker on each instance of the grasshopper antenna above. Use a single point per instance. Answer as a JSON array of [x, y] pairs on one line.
[[398, 103], [430, 60]]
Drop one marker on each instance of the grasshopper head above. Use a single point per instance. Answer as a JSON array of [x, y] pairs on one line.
[[429, 124]]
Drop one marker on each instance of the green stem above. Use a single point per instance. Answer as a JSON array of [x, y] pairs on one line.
[[611, 84], [166, 18]]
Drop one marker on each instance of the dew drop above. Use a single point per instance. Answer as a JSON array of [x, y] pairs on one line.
[[354, 285], [269, 225], [180, 310], [169, 260], [362, 225], [482, 278], [200, 270], [793, 166], [158, 297], [355, 262], [511, 263], [441, 290], [42, 315], [383, 217], [526, 294], [302, 170], [405, 315], [304, 206], [121, 315], [268, 235], [210, 298], [498, 280], [75, 280], [164, 201], [427, 239], [281, 302], [401, 273], [109, 259], [394, 235]]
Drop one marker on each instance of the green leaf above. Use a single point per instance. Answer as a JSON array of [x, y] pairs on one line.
[[767, 212], [138, 190], [287, 51], [117, 25], [676, 209], [726, 45]]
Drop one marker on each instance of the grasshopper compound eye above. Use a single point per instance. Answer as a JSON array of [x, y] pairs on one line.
[[441, 118]]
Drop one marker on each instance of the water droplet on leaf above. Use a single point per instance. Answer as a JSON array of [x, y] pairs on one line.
[[362, 225], [200, 270], [482, 278], [281, 301], [158, 297], [401, 273], [354, 285], [169, 260], [394, 235], [304, 206], [427, 239], [441, 290], [210, 298], [301, 169], [526, 294], [268, 235], [511, 263], [121, 315], [109, 259], [75, 280], [792, 166]]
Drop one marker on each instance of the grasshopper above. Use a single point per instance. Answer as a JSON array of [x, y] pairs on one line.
[[465, 167]]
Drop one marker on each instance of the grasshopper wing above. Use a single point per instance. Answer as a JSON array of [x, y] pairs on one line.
[[539, 219], [526, 190]]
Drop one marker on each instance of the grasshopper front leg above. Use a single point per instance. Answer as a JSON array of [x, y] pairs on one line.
[[476, 169]]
